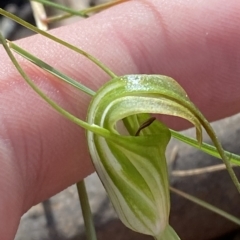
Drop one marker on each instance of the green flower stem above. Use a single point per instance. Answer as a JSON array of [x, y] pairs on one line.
[[207, 148], [59, 17], [60, 41], [86, 211], [205, 124], [103, 6], [50, 69], [224, 157], [206, 205]]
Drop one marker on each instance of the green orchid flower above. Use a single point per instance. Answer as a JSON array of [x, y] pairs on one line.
[[132, 167]]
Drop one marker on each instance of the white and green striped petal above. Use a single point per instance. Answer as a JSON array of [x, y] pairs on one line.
[[133, 168]]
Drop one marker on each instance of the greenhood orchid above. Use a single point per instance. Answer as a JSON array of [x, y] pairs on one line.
[[132, 167]]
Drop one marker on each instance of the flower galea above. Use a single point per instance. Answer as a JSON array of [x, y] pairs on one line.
[[131, 163]]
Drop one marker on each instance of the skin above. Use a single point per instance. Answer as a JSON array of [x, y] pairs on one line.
[[41, 153]]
